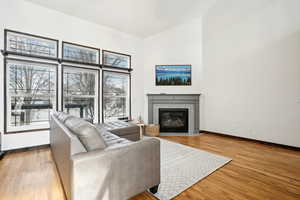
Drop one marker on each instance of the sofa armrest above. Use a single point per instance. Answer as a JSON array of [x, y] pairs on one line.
[[116, 174]]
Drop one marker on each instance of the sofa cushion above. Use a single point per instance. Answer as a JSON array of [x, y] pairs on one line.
[[63, 116], [87, 133], [120, 128], [113, 141]]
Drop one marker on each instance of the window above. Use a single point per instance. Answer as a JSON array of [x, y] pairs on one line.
[[116, 95], [31, 92], [81, 92]]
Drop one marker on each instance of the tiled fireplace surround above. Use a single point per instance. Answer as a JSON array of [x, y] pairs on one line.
[[189, 101]]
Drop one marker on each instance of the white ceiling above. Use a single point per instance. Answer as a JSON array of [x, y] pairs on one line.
[[141, 18]]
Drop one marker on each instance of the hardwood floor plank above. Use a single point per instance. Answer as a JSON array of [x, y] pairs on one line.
[[257, 172], [29, 176]]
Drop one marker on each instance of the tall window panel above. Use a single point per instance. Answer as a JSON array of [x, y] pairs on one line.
[[81, 92], [116, 95], [31, 93]]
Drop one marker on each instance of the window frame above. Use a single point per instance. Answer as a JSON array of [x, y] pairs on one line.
[[6, 52], [102, 93], [97, 82], [6, 93], [129, 69], [63, 59]]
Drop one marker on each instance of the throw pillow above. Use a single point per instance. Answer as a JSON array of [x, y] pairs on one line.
[[87, 133]]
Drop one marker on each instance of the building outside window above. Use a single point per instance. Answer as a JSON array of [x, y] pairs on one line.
[[80, 92], [31, 93], [116, 95]]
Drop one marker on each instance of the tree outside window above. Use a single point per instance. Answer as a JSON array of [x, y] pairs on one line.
[[115, 95], [31, 94], [80, 96]]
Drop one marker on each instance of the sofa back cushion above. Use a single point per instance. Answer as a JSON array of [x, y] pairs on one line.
[[87, 133], [63, 116]]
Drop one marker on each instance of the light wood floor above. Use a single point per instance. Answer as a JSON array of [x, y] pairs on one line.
[[257, 172]]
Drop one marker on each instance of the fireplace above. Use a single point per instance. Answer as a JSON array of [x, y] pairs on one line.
[[174, 120], [189, 102]]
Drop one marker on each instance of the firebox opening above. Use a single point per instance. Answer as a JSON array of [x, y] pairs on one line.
[[173, 120]]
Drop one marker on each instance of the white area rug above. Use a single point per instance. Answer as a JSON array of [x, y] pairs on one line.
[[183, 166]]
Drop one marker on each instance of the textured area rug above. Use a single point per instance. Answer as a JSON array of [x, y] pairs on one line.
[[183, 166]]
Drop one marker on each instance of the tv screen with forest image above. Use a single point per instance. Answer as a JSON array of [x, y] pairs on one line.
[[173, 74]]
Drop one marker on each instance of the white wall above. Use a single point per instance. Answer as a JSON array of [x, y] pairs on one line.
[[251, 70], [249, 73], [179, 45], [27, 17]]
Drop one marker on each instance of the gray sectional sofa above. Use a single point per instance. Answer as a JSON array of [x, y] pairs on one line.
[[95, 164]]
